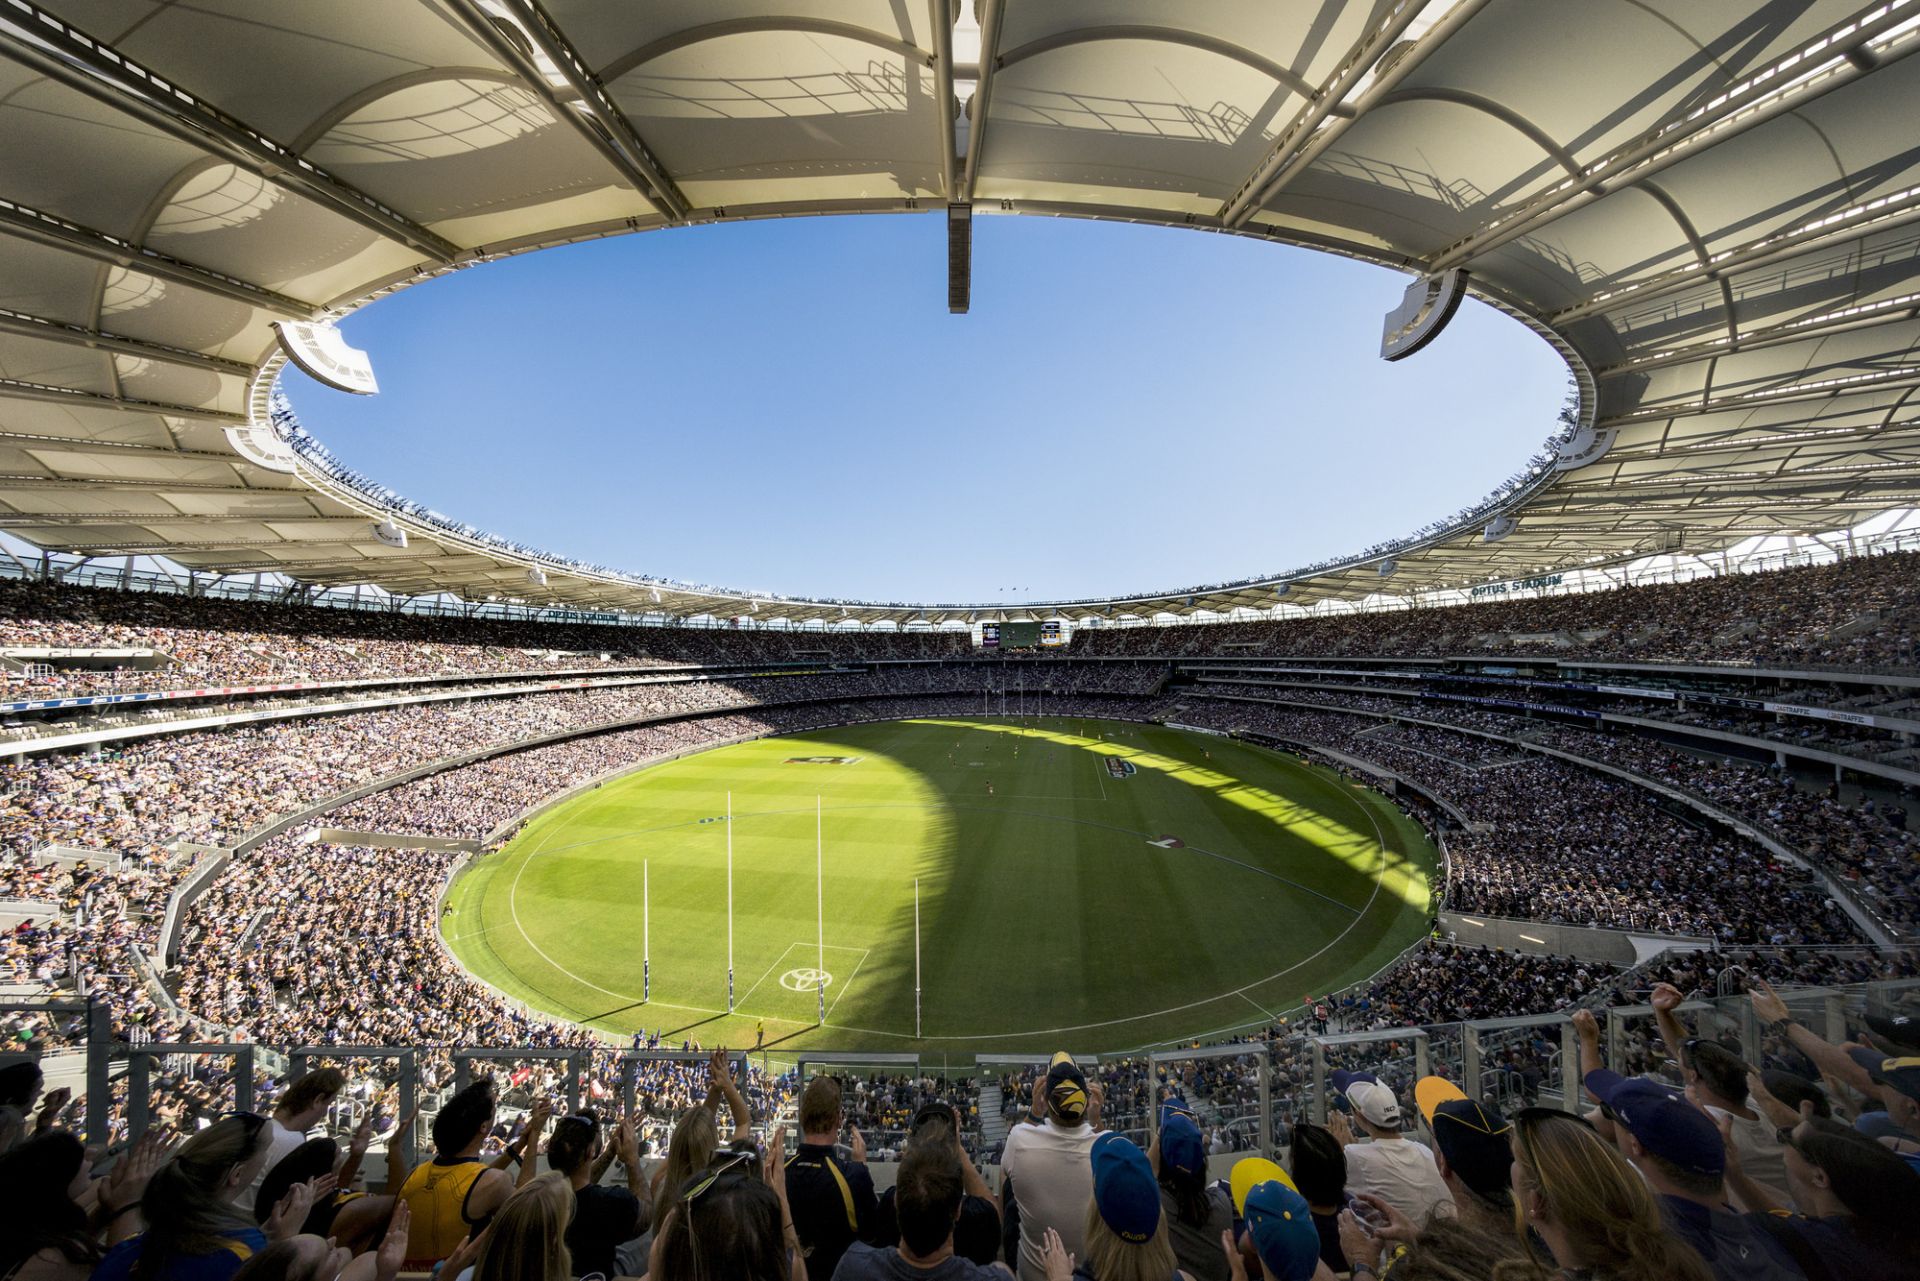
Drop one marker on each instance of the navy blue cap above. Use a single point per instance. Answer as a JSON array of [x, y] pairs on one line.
[[1124, 1189], [1902, 1030], [1283, 1231], [1660, 1117], [1180, 1145], [1903, 1074], [1174, 1105]]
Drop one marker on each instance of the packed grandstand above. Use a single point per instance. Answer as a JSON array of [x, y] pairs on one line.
[[1757, 853], [1632, 997], [1612, 780]]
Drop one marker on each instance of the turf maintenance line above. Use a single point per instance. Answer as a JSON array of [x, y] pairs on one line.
[[835, 1003], [1379, 878], [1359, 915], [981, 808]]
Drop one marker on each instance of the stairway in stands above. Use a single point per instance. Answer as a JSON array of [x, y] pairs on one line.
[[993, 1125]]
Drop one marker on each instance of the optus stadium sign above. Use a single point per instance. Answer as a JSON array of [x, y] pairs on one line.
[[1517, 585]]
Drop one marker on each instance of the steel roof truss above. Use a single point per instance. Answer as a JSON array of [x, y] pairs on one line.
[[80, 62]]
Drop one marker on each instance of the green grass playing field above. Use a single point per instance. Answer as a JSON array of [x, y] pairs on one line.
[[1094, 885]]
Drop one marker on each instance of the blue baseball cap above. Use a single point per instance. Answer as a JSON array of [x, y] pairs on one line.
[[1180, 1145], [1124, 1189], [1903, 1074], [1174, 1105], [1662, 1120], [1282, 1228]]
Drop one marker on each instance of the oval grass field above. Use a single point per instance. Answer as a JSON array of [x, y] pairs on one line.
[[1091, 885]]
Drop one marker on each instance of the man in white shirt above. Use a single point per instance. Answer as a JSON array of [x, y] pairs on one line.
[[1398, 1170], [1048, 1158], [299, 1110]]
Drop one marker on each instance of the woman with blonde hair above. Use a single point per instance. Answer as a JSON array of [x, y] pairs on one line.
[[527, 1240], [1577, 1194], [696, 1136], [1126, 1230]]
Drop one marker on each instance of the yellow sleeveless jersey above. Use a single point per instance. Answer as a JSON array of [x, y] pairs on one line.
[[436, 1195]]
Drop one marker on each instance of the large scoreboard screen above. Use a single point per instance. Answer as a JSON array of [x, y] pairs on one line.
[[1021, 635]]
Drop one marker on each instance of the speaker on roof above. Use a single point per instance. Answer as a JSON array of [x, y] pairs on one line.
[[323, 353], [537, 576], [1424, 311], [1498, 528], [1281, 589], [1388, 566], [390, 534]]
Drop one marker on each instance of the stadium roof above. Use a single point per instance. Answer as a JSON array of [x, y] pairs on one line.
[[1711, 209]]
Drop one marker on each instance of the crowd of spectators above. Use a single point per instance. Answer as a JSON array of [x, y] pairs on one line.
[[1856, 612], [1446, 982], [278, 951], [1866, 843], [210, 640], [1547, 840], [1678, 1160]]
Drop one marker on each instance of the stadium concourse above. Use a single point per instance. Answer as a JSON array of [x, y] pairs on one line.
[[259, 708]]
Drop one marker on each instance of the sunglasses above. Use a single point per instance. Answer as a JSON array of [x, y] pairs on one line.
[[714, 1174]]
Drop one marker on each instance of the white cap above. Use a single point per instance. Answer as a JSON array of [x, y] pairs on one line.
[[1376, 1103]]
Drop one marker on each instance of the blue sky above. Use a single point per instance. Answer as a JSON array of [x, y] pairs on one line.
[[787, 406]]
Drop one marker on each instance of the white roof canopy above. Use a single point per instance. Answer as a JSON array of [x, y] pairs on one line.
[[1712, 210]]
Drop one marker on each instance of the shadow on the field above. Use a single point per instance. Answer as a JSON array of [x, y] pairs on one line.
[[782, 1040], [618, 1009], [688, 1027]]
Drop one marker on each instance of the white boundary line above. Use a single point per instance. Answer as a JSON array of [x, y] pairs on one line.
[[513, 910], [810, 945], [763, 977]]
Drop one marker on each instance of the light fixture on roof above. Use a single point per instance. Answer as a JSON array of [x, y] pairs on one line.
[[320, 351]]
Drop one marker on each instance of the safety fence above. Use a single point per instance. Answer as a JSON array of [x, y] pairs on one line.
[[1247, 1096]]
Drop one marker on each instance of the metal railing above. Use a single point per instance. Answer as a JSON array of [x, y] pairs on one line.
[[1249, 1093]]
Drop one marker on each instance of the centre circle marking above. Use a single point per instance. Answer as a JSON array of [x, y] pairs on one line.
[[805, 980]]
